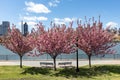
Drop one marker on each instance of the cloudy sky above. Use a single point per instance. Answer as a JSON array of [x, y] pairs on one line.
[[59, 11]]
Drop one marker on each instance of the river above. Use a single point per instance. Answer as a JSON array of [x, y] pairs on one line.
[[6, 54]]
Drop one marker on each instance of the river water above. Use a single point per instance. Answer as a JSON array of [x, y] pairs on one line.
[[6, 54]]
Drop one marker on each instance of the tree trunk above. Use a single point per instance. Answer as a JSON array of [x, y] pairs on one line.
[[20, 61], [89, 57], [54, 63]]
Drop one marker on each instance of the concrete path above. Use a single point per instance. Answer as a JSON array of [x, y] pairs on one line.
[[81, 62]]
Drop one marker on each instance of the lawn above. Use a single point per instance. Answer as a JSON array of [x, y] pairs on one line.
[[97, 72]]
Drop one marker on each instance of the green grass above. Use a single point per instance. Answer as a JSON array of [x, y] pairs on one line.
[[97, 72]]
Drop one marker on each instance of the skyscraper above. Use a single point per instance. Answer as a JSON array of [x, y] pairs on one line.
[[24, 28], [1, 31], [4, 27]]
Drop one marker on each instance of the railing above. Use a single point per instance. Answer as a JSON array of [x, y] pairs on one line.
[[60, 57]]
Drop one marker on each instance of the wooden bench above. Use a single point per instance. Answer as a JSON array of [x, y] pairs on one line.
[[65, 64], [46, 64]]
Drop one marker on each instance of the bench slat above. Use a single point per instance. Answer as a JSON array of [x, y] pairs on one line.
[[65, 63], [46, 64]]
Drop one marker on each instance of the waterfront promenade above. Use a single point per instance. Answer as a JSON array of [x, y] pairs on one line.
[[37, 63]]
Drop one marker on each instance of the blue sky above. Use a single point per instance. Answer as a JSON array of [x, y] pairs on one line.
[[59, 11]]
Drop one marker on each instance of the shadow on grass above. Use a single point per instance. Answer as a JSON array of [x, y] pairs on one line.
[[89, 72], [108, 69], [36, 70], [71, 72], [97, 70]]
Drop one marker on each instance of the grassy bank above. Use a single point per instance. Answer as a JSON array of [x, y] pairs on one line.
[[98, 72]]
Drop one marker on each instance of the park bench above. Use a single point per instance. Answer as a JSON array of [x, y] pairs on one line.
[[65, 64], [46, 64]]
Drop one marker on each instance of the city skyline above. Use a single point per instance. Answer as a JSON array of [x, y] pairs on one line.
[[59, 11]]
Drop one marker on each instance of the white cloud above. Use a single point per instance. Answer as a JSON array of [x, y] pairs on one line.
[[56, 19], [68, 19], [57, 1], [53, 3], [34, 18], [29, 18], [36, 8], [27, 13], [63, 21], [30, 23], [42, 18], [112, 24]]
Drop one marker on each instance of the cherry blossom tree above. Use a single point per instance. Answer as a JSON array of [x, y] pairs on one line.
[[33, 39], [56, 40], [17, 43], [93, 39]]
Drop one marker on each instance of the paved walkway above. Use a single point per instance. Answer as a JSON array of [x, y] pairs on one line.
[[81, 62]]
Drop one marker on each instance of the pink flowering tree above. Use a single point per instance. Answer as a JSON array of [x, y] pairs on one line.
[[17, 43], [33, 38], [93, 39], [56, 40]]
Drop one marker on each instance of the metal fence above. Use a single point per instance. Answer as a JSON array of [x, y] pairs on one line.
[[59, 57]]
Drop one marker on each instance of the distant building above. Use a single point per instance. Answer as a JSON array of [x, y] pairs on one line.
[[24, 28], [4, 27], [1, 31]]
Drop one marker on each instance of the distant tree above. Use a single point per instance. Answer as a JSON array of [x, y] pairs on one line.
[[17, 43], [93, 39], [56, 40], [114, 30], [119, 31], [1, 39]]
